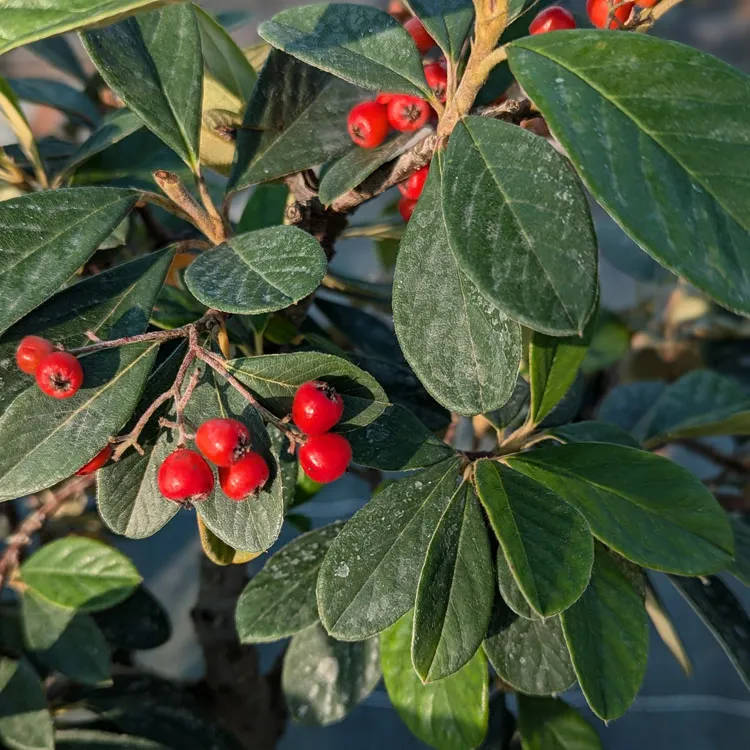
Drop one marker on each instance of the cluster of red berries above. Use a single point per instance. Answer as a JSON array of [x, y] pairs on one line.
[[556, 18]]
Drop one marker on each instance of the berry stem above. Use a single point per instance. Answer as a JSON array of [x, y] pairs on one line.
[[649, 16]]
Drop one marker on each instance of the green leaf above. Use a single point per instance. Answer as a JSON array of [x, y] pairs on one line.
[[630, 406], [530, 655], [551, 724], [513, 412], [65, 641], [740, 568], [274, 378], [370, 574], [593, 432], [260, 271], [607, 634], [455, 592], [723, 614], [665, 167], [645, 507], [25, 722], [11, 108], [462, 348], [397, 441], [58, 52], [324, 679], [223, 59], [358, 164], [359, 43], [509, 590], [451, 714], [265, 208], [234, 19], [288, 128], [546, 542], [520, 224], [154, 64], [80, 573], [135, 624], [365, 331], [88, 739], [280, 600], [553, 366], [57, 95], [47, 236], [449, 23]]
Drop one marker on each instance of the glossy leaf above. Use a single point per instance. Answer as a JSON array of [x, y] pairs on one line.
[[645, 507], [11, 108], [551, 724], [57, 95], [260, 271], [218, 551], [296, 119], [153, 62], [324, 679], [455, 591], [451, 714], [25, 721], [593, 432], [546, 541], [80, 573], [740, 568], [462, 348], [370, 574], [607, 634], [135, 624], [274, 378], [57, 51], [47, 236], [264, 208], [90, 739], [665, 166], [449, 23], [280, 600], [509, 590], [518, 219], [359, 43]]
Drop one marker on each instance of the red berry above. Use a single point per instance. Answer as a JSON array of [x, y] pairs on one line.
[[184, 475], [598, 11], [406, 208], [324, 458], [30, 351], [222, 441], [420, 35], [316, 407], [437, 79], [368, 124], [407, 112], [96, 462], [413, 185], [59, 375], [246, 476], [553, 18], [383, 98], [646, 3]]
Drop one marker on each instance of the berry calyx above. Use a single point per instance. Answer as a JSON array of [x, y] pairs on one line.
[[316, 407], [413, 185], [324, 458], [437, 79], [598, 12], [184, 477], [419, 34], [31, 351], [96, 462], [59, 375], [553, 18], [367, 124], [222, 441], [407, 113], [245, 477], [406, 208]]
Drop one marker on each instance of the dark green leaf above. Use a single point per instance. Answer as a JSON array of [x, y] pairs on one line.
[[260, 271], [324, 679], [296, 119], [666, 167], [448, 22], [80, 573], [512, 414], [530, 655], [593, 432], [551, 724], [57, 95], [370, 574], [520, 224], [451, 714], [280, 600], [645, 507], [359, 43], [740, 568], [630, 406], [607, 633], [153, 62], [455, 592], [88, 739], [464, 350], [547, 543], [234, 19], [265, 208], [138, 623], [25, 722], [723, 615], [47, 236], [58, 52], [274, 378], [511, 593]]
